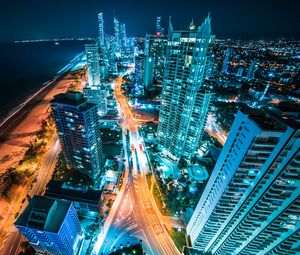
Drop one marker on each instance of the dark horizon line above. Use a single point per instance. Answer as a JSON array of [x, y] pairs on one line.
[[220, 36]]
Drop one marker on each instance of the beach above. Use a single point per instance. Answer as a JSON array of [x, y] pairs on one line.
[[21, 128]]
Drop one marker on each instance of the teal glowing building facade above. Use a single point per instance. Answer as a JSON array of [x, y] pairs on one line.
[[184, 101], [155, 47], [77, 123], [226, 61], [93, 58], [251, 203]]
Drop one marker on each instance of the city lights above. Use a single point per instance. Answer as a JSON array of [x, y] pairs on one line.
[[174, 141]]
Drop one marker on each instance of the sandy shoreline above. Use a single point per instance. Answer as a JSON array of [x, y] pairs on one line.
[[19, 130]]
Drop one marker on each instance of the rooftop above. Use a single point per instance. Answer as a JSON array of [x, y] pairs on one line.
[[264, 119], [57, 189], [75, 99], [44, 214]]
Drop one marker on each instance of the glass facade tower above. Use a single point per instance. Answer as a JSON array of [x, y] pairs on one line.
[[184, 104], [156, 48], [226, 61], [101, 29], [50, 226], [93, 58], [251, 204], [77, 123]]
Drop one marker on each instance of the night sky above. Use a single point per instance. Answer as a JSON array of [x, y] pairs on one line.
[[257, 19]]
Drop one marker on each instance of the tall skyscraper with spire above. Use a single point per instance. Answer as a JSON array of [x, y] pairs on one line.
[[184, 102], [251, 203]]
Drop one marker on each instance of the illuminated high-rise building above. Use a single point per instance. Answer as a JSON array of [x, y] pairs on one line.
[[143, 71], [159, 29], [103, 58], [251, 203], [210, 69], [97, 94], [77, 123], [251, 70], [92, 57], [123, 36], [184, 104], [111, 55], [117, 42], [240, 72], [101, 29], [50, 226], [155, 47], [226, 61]]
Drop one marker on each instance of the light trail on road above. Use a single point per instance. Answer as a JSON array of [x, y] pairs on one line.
[[134, 216], [215, 130]]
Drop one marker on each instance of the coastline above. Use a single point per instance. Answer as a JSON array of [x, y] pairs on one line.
[[60, 74], [20, 127]]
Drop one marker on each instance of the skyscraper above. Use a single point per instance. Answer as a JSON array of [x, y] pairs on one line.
[[240, 72], [143, 71], [101, 29], [156, 48], [251, 70], [148, 75], [103, 58], [123, 36], [184, 104], [117, 41], [92, 57], [251, 203], [226, 61], [77, 123], [159, 29], [50, 226], [97, 94], [210, 69]]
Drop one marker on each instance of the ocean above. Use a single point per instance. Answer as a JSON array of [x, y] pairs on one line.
[[24, 67]]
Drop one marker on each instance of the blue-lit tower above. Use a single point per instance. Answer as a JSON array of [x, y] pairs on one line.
[[251, 70], [50, 226], [123, 36], [184, 102], [77, 123], [101, 29], [93, 58], [251, 203], [155, 47], [117, 42], [143, 72], [226, 61], [159, 29], [240, 72]]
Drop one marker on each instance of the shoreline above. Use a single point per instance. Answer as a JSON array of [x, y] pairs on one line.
[[20, 127], [59, 75]]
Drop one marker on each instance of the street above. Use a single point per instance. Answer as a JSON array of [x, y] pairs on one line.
[[12, 242], [215, 130], [134, 216]]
